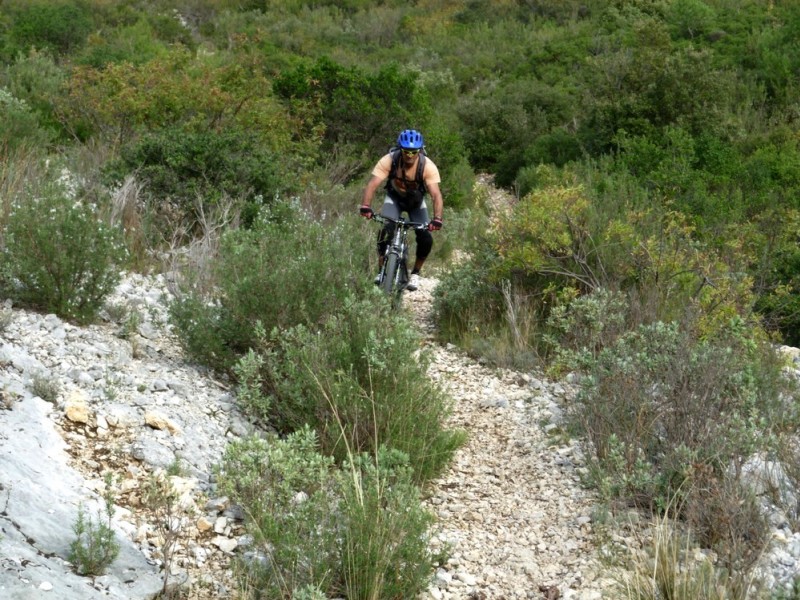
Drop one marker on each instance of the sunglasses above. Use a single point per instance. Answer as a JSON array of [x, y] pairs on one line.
[[410, 152]]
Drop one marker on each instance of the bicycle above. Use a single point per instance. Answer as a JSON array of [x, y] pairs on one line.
[[394, 273]]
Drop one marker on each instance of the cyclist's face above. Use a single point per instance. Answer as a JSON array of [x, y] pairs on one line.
[[409, 156]]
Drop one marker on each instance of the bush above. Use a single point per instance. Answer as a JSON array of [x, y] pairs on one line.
[[358, 382], [670, 417], [135, 44], [358, 532], [20, 125], [288, 492], [354, 107], [183, 168], [35, 79], [60, 26], [467, 298], [286, 270], [58, 256], [95, 546]]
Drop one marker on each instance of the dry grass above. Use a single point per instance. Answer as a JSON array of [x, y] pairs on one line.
[[672, 567]]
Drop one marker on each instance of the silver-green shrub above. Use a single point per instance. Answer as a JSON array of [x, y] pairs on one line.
[[670, 416], [287, 269], [358, 531], [59, 256], [287, 491], [361, 382]]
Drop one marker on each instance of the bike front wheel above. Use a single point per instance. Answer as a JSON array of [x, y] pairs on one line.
[[388, 284]]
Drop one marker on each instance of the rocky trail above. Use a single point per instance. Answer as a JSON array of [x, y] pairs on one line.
[[512, 508]]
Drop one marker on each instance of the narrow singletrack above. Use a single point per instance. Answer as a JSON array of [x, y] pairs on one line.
[[512, 510]]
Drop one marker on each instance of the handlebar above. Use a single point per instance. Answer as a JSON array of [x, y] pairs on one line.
[[401, 222]]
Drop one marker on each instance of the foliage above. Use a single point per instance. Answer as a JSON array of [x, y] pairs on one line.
[[466, 298], [173, 90], [580, 327], [135, 44], [359, 531], [653, 145], [385, 551], [558, 236], [778, 273], [516, 126], [358, 380], [668, 414], [284, 271], [61, 26], [47, 388], [20, 124], [248, 371], [163, 501], [95, 547], [287, 491], [35, 80], [188, 172], [355, 109], [58, 255]]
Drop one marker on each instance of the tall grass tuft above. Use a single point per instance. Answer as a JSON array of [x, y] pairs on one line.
[[385, 553], [674, 568]]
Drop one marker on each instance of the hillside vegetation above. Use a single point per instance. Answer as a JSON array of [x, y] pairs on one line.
[[651, 250]]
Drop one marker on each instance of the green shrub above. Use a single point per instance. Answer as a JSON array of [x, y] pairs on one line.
[[47, 388], [582, 327], [359, 531], [517, 125], [60, 26], [136, 44], [776, 265], [20, 125], [467, 298], [286, 270], [95, 546], [35, 79], [359, 383], [182, 168], [59, 256], [356, 107]]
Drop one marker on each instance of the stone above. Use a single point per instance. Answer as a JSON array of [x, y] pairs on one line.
[[157, 420], [76, 408]]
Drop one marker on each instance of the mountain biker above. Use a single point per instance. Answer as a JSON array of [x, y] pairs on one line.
[[409, 175]]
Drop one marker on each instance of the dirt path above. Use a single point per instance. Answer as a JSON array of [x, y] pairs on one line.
[[512, 509]]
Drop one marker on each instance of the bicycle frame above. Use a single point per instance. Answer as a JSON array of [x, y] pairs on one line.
[[394, 272]]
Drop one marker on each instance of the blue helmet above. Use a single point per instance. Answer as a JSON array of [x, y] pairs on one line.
[[410, 139]]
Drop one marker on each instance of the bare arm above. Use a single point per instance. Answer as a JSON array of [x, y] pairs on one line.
[[369, 191], [438, 201]]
